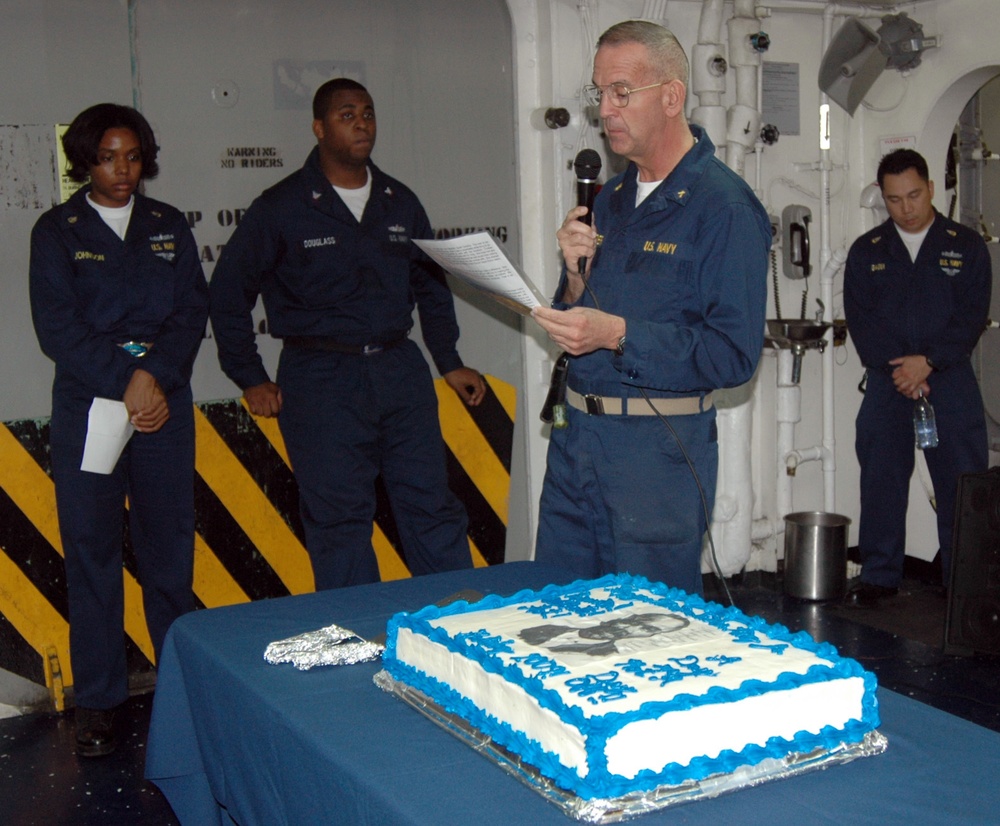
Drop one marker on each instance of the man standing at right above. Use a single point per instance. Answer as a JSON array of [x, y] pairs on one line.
[[916, 295]]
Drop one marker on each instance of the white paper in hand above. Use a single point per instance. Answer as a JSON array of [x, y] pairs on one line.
[[479, 261], [108, 431]]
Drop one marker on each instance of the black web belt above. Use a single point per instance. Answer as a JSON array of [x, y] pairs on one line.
[[334, 346]]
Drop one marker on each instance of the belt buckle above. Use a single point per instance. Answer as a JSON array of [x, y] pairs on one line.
[[595, 404], [372, 349], [135, 348]]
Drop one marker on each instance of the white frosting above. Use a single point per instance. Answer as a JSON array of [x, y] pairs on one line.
[[679, 737]]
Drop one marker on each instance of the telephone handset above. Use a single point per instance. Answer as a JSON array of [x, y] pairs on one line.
[[795, 220]]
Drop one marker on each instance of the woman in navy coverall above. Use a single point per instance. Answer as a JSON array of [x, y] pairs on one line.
[[119, 303]]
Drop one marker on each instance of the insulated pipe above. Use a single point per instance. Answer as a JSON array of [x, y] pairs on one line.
[[732, 519], [708, 73], [708, 82], [710, 22], [733, 514], [830, 264], [826, 291], [797, 457], [743, 118], [833, 265], [867, 10], [788, 413]]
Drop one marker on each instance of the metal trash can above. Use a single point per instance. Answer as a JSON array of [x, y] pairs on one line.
[[816, 555]]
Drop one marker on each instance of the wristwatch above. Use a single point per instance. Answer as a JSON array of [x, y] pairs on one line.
[[620, 349]]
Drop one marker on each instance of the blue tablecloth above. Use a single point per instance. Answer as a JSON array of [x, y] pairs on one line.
[[235, 739]]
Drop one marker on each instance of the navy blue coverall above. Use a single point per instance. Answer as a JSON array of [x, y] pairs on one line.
[[329, 284], [687, 269], [90, 292], [935, 306]]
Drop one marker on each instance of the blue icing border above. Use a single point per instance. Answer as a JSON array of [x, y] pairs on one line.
[[624, 588]]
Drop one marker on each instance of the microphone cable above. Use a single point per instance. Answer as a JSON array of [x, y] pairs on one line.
[[701, 493], [717, 568]]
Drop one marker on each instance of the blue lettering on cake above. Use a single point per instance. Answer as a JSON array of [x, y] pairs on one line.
[[482, 639], [579, 604], [545, 610], [600, 688], [777, 648], [744, 634], [691, 665], [748, 635], [676, 668], [623, 590], [545, 666], [722, 659]]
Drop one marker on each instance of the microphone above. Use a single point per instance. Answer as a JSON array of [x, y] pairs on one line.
[[587, 167]]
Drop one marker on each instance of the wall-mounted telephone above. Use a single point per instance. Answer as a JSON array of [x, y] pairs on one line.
[[795, 221]]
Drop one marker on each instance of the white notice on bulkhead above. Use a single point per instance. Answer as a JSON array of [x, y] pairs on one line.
[[108, 431]]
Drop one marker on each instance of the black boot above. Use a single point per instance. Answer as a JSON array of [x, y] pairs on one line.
[[95, 734], [868, 595]]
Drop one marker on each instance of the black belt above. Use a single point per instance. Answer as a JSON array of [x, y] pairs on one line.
[[334, 346]]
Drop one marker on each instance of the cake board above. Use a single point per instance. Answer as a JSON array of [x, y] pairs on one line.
[[625, 807]]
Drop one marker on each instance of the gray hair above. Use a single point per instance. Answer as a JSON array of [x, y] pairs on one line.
[[666, 55]]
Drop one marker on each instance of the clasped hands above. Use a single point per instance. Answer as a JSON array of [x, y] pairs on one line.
[[145, 402], [910, 375]]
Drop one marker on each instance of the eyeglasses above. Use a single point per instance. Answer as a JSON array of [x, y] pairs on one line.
[[617, 93]]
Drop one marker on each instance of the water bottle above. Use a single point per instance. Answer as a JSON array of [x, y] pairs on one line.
[[924, 424]]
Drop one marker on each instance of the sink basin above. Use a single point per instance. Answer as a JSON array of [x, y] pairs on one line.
[[801, 330]]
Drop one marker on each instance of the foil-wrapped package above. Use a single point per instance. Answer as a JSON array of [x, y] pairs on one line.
[[332, 645]]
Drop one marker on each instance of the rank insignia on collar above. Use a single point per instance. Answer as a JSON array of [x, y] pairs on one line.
[[317, 195], [72, 219], [681, 193], [388, 190]]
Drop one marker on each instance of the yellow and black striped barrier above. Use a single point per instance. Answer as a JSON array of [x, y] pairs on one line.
[[249, 542]]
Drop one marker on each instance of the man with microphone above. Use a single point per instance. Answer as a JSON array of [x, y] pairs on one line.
[[670, 305]]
